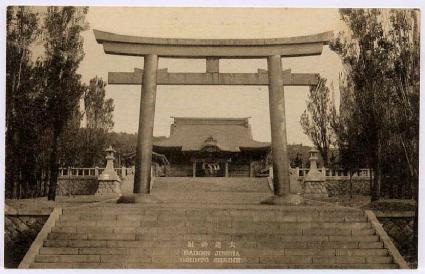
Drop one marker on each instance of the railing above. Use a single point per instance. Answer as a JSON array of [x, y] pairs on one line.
[[335, 173], [339, 174], [92, 171]]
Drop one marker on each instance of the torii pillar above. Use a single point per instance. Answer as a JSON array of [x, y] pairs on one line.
[[142, 176], [281, 183]]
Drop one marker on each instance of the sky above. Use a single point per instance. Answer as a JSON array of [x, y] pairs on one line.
[[210, 101]]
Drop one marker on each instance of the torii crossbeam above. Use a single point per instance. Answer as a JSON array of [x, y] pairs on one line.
[[213, 50], [212, 78]]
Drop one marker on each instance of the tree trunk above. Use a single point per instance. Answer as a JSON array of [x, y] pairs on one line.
[[11, 180], [376, 193], [377, 179], [12, 164], [46, 181], [351, 185], [38, 183], [53, 180], [370, 178]]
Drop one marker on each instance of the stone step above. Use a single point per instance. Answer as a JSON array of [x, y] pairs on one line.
[[226, 211], [133, 233], [123, 220], [207, 266], [132, 226], [253, 216], [254, 259], [221, 184], [177, 251], [297, 242], [259, 217], [170, 238], [158, 205]]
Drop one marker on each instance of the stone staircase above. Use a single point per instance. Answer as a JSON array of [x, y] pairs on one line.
[[222, 233], [211, 184]]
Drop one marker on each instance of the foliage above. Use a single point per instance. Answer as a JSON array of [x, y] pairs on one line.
[[98, 113], [348, 135], [381, 57], [70, 143], [24, 109], [42, 96], [62, 86], [316, 119]]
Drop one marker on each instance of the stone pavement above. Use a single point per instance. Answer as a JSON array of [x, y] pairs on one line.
[[193, 224]]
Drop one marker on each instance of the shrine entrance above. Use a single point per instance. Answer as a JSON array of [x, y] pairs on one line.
[[210, 168], [213, 50]]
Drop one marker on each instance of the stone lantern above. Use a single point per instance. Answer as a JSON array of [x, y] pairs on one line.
[[314, 181], [109, 181]]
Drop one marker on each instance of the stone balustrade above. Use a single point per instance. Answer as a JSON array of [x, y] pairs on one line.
[[335, 173], [92, 171]]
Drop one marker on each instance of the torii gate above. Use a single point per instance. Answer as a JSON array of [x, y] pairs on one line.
[[213, 50]]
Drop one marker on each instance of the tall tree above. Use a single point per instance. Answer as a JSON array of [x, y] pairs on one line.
[[316, 119], [98, 112], [405, 57], [63, 53], [348, 136], [363, 53], [381, 57], [21, 101], [406, 72], [71, 144]]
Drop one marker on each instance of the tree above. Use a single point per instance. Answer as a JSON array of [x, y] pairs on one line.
[[381, 61], [316, 119], [348, 136], [62, 87], [406, 72], [405, 57], [43, 98], [22, 104], [70, 146], [381, 55], [98, 112], [363, 53]]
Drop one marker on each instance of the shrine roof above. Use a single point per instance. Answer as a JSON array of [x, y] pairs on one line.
[[226, 134]]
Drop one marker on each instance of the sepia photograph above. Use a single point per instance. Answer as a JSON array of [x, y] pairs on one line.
[[142, 137]]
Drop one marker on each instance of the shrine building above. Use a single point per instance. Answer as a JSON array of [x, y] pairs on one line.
[[211, 147]]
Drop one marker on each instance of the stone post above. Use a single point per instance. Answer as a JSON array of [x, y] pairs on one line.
[[314, 181], [226, 169], [324, 171], [142, 175], [281, 183], [109, 181]]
